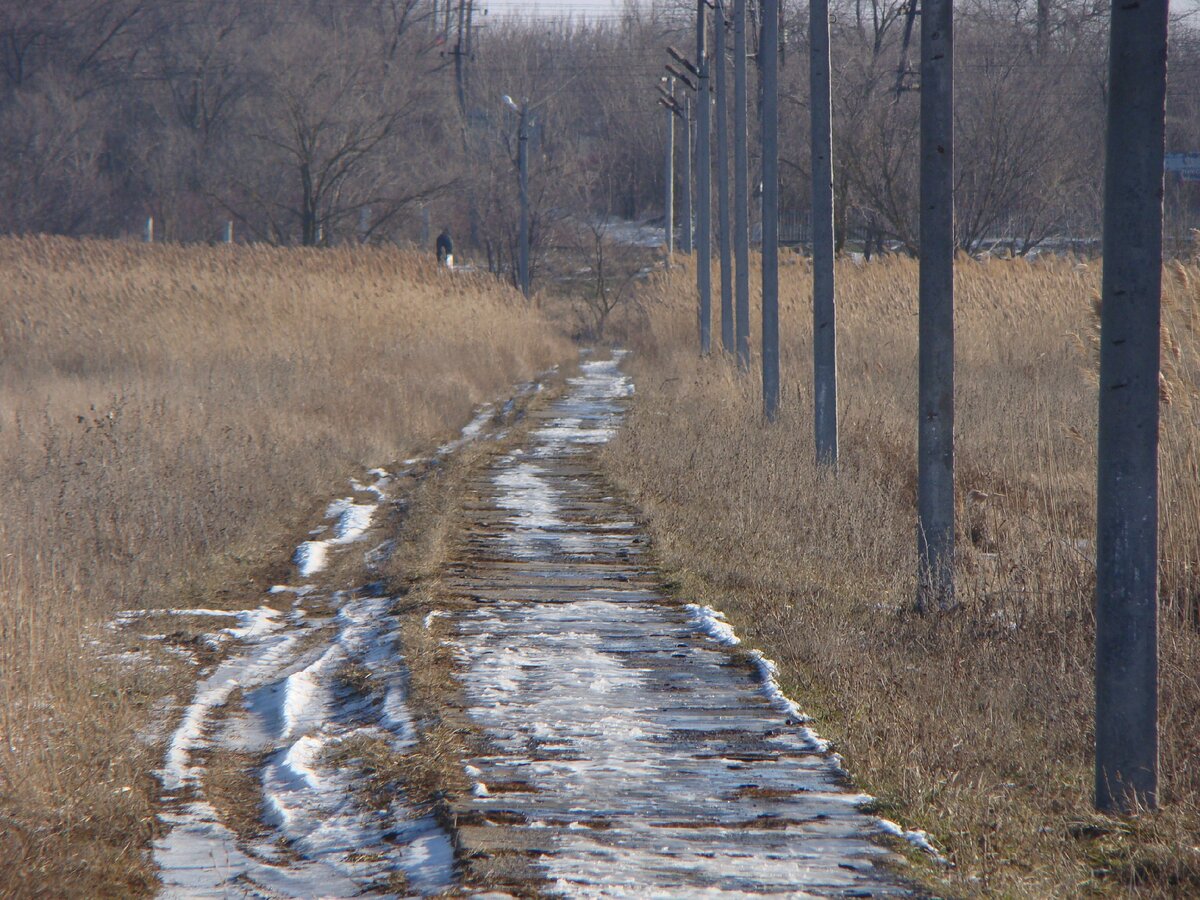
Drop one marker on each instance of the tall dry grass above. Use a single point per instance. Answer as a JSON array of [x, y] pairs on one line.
[[975, 725], [170, 420]]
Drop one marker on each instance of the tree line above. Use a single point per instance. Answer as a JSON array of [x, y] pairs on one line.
[[326, 121]]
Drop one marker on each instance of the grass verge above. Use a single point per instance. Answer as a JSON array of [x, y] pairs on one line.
[[975, 725], [170, 419]]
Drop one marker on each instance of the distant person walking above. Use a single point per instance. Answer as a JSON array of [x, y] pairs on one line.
[[445, 248]]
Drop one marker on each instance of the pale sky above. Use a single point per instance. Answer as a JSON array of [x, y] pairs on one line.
[[594, 9], [589, 8]]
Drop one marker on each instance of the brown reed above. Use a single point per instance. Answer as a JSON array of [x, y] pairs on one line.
[[171, 420], [975, 725]]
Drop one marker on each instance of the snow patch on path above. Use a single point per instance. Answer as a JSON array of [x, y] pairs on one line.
[[618, 739], [278, 691], [268, 650], [351, 521], [294, 709], [310, 558], [712, 623]]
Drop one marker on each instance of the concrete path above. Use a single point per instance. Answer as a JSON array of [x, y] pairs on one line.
[[631, 753]]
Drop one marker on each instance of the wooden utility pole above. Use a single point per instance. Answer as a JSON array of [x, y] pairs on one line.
[[1127, 476], [723, 229], [769, 51], [935, 428], [825, 422], [741, 193]]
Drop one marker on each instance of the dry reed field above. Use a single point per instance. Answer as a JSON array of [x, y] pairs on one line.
[[976, 724], [170, 417]]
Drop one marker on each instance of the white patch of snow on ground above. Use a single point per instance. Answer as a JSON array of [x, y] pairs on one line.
[[267, 651], [712, 623], [470, 431], [351, 521], [201, 858], [916, 837], [310, 558], [767, 672], [533, 505], [307, 694], [302, 591], [294, 709], [382, 480]]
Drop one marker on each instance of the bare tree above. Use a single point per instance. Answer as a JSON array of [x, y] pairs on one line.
[[612, 271], [335, 135], [337, 119]]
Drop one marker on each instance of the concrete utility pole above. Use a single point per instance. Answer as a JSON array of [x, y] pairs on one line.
[[148, 235], [686, 211], [769, 49], [669, 174], [675, 108], [523, 163], [741, 192], [1127, 476], [703, 180], [229, 231], [460, 72], [723, 183], [522, 112], [824, 313], [685, 78], [935, 428]]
